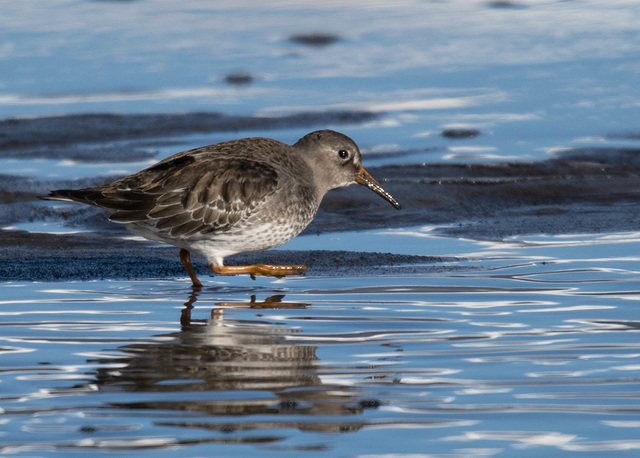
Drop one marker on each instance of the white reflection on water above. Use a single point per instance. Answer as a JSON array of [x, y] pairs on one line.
[[228, 95], [412, 100], [523, 440], [67, 169]]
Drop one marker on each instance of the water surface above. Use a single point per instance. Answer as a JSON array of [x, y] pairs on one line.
[[522, 351]]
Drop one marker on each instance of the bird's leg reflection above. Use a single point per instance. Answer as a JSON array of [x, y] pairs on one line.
[[185, 314], [271, 302]]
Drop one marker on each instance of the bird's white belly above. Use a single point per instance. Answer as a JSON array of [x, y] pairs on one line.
[[217, 246], [261, 237]]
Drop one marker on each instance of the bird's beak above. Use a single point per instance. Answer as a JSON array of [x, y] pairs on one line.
[[363, 178]]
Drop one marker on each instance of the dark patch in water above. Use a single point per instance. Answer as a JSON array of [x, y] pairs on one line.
[[626, 135], [460, 134], [239, 79], [83, 153], [505, 4], [315, 39], [288, 405], [370, 404], [52, 131]]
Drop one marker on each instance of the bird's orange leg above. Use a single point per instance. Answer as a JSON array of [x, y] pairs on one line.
[[264, 270], [185, 257]]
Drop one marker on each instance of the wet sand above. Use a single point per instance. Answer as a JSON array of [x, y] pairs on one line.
[[46, 257], [576, 191]]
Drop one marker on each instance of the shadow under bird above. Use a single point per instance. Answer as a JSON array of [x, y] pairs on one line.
[[244, 195]]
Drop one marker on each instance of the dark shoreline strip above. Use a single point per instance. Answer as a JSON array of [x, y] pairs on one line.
[[18, 133]]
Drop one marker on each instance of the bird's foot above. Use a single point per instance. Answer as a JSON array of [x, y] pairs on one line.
[[262, 270]]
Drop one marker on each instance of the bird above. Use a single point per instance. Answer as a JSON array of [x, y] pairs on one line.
[[243, 195]]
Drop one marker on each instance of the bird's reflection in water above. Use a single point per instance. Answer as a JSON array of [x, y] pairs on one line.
[[251, 361], [271, 302]]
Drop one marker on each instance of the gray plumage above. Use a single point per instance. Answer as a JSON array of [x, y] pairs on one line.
[[243, 195]]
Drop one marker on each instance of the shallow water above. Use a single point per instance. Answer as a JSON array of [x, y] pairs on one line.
[[522, 351], [532, 76], [515, 347]]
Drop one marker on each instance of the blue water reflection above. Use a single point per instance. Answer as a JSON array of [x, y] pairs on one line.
[[550, 76], [489, 359]]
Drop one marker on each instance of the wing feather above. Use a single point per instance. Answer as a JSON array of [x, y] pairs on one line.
[[162, 211], [199, 191]]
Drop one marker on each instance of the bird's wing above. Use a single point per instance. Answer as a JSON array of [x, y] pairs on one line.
[[186, 195]]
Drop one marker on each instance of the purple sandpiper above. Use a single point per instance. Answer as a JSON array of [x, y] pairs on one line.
[[243, 195]]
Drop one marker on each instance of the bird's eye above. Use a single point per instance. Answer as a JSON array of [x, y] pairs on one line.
[[343, 154]]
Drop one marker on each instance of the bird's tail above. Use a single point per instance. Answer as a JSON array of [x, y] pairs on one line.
[[85, 196]]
